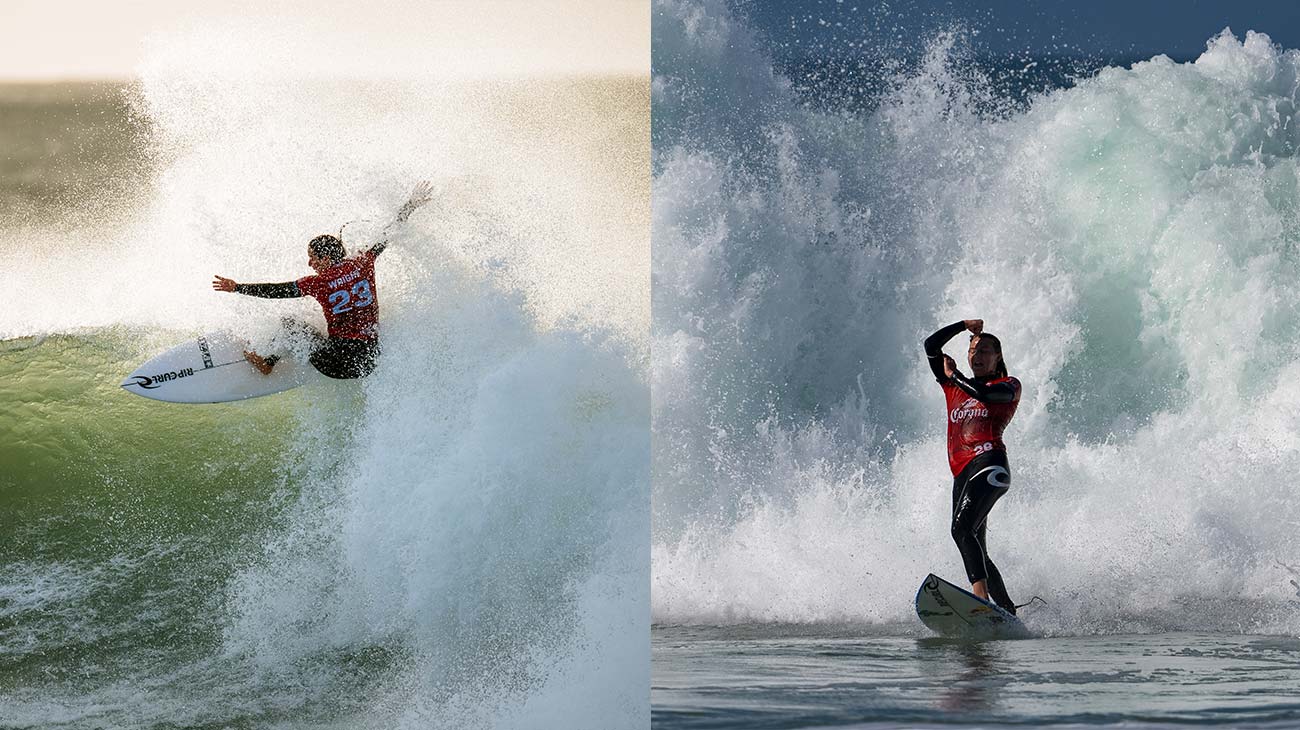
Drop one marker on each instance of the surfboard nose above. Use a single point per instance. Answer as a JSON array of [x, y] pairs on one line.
[[138, 381]]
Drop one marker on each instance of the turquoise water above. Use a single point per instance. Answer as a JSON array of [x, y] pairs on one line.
[[1133, 241], [1131, 237]]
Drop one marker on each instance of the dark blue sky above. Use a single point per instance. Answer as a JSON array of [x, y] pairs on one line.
[[1093, 28]]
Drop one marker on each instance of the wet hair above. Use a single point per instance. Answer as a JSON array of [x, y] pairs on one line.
[[1001, 370], [327, 246]]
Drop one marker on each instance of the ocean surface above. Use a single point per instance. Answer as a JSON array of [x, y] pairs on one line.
[[783, 676], [1128, 228], [459, 540]]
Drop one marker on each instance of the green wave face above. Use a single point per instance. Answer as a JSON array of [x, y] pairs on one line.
[[122, 519], [125, 522]]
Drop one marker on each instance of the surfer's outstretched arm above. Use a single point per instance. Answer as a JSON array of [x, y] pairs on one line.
[[282, 290], [421, 194]]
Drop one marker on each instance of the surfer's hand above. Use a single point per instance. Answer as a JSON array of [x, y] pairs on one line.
[[421, 194], [221, 283], [949, 366], [975, 326]]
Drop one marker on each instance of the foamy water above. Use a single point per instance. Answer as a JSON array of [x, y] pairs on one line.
[[1130, 239], [459, 540]]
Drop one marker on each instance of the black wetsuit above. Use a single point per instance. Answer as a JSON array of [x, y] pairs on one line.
[[974, 492]]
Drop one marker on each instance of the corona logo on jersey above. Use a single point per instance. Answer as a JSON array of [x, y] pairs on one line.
[[970, 409]]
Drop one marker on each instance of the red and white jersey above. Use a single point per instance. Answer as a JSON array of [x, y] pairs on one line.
[[975, 427], [346, 291]]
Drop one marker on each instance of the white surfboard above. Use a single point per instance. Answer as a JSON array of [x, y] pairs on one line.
[[951, 611], [212, 369]]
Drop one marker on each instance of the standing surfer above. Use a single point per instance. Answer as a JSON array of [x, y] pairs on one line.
[[979, 408], [348, 294]]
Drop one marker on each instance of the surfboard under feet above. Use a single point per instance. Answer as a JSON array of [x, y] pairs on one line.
[[951, 611], [211, 369]]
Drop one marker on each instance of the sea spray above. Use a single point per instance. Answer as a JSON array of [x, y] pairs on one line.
[[1132, 241], [471, 518], [458, 540]]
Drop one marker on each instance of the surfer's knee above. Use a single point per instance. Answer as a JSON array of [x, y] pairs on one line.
[[961, 532]]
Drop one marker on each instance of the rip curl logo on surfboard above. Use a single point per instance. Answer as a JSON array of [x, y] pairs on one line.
[[932, 587], [149, 382]]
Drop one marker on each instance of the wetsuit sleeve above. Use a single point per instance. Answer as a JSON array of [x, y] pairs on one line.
[[284, 290], [934, 348], [378, 248], [1003, 391]]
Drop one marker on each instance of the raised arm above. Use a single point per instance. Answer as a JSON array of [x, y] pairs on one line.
[[945, 368], [935, 342], [282, 290], [421, 194]]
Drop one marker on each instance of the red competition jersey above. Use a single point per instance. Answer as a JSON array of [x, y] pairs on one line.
[[975, 427], [346, 291]]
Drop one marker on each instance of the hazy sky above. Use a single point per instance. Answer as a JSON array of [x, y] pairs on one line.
[[52, 40]]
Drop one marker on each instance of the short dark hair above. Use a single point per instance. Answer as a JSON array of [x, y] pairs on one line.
[[327, 246]]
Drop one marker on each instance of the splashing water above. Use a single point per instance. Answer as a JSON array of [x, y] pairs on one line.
[[457, 540], [1132, 240]]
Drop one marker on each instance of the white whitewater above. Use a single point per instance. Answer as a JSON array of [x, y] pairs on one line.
[[1132, 240]]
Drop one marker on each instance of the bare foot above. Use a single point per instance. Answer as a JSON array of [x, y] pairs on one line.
[[258, 362]]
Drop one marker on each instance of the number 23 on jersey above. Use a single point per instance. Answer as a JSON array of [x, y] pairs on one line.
[[344, 300]]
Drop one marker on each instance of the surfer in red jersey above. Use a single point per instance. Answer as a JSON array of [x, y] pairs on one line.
[[346, 290], [979, 408]]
